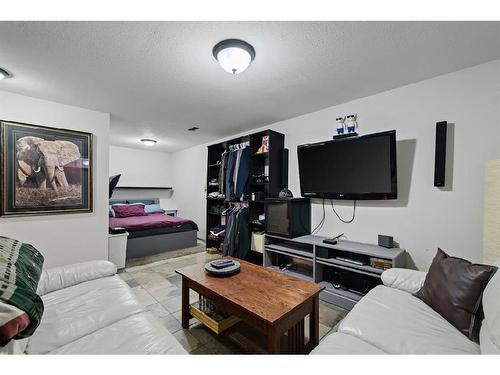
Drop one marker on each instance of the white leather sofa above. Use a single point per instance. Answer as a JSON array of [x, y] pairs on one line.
[[90, 310], [389, 320]]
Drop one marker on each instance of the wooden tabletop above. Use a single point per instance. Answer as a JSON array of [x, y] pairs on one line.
[[265, 293]]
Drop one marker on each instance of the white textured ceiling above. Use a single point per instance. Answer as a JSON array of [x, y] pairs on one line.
[[159, 78]]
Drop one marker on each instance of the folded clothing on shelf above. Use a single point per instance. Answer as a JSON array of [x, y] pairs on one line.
[[218, 231], [216, 195]]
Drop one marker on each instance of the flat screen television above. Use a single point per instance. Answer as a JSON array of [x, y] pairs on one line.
[[362, 167]]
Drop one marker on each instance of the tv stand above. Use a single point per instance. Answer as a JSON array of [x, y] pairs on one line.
[[317, 261]]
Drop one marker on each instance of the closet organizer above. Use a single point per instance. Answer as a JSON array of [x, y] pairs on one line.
[[241, 173]]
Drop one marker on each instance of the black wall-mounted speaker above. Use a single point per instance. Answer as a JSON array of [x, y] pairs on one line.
[[284, 173], [440, 157]]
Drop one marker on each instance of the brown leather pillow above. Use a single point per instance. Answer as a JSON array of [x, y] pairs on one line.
[[454, 288]]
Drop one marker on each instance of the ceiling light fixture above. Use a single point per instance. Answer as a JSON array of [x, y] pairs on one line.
[[4, 74], [149, 141], [234, 55]]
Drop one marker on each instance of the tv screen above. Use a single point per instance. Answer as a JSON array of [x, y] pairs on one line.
[[362, 167]]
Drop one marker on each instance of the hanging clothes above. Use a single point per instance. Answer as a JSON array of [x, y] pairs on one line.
[[243, 173], [236, 168], [243, 235], [237, 173], [229, 176], [222, 172], [229, 238], [237, 236]]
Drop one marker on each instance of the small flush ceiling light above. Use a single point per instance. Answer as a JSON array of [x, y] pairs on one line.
[[149, 141], [234, 55], [4, 74]]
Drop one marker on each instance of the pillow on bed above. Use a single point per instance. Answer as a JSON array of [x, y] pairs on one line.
[[143, 201], [153, 209], [129, 210]]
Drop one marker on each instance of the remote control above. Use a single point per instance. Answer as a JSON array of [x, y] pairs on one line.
[[222, 264], [221, 261]]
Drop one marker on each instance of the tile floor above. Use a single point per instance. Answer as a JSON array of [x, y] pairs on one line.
[[158, 288]]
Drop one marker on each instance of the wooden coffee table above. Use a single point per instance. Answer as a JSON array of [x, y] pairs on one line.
[[270, 302]]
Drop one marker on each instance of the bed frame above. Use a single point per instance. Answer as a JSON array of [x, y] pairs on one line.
[[141, 247]]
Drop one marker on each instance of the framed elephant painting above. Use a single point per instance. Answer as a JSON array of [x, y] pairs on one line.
[[44, 170]]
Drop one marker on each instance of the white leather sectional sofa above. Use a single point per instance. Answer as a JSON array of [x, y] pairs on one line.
[[389, 320], [90, 310]]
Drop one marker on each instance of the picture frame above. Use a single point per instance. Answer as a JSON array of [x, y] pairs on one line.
[[44, 170]]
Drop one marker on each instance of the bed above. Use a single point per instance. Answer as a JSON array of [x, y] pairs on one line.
[[155, 233]]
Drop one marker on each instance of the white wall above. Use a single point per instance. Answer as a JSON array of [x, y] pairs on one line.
[[424, 217], [190, 174], [71, 238], [142, 168]]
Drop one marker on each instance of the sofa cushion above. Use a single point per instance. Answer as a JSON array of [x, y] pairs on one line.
[[340, 343], [410, 281], [136, 334], [490, 331], [396, 322], [454, 288], [65, 276], [74, 312], [486, 342]]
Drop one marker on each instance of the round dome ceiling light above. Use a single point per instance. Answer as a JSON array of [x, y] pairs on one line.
[[234, 55], [149, 141], [4, 74]]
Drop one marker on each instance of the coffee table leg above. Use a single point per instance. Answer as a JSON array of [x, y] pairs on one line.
[[273, 341], [314, 323], [185, 304], [296, 338]]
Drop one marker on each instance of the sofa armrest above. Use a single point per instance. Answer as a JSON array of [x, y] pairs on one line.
[[404, 279], [65, 276]]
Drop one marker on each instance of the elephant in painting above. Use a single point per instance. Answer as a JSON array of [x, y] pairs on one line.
[[44, 160]]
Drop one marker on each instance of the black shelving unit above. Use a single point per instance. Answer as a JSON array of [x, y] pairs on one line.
[[269, 164]]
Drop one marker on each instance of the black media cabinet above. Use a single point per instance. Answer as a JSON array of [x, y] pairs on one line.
[[302, 252]]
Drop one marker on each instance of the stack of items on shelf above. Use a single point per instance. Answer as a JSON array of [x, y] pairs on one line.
[[217, 209], [212, 310], [216, 195], [382, 264]]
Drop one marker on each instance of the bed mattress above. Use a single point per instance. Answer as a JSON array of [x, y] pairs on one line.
[[157, 231], [152, 224]]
